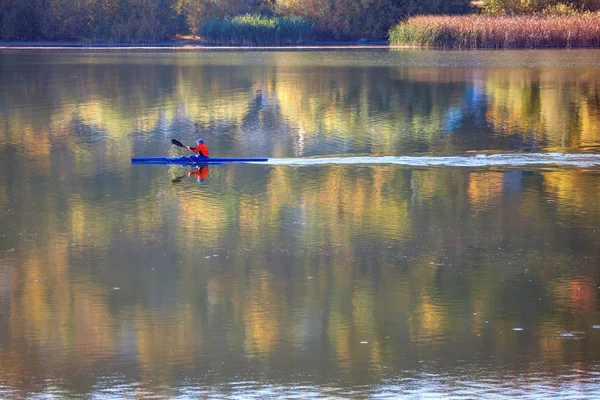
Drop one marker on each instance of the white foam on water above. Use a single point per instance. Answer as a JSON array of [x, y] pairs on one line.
[[477, 160]]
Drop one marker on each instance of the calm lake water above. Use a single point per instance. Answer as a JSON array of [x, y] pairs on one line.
[[429, 226]]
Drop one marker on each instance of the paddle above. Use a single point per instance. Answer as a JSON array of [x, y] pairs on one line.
[[178, 143]]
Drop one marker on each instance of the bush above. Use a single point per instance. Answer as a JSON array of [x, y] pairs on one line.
[[257, 30], [560, 9]]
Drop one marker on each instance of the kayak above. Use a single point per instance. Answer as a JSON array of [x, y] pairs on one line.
[[193, 160]]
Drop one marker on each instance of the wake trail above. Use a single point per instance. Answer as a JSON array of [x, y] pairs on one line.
[[477, 160]]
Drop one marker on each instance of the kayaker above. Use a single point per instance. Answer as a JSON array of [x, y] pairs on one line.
[[200, 172], [201, 149]]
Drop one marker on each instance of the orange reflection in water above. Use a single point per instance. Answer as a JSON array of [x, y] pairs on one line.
[[263, 311], [485, 188]]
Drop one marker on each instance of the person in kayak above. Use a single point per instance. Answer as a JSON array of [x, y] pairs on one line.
[[201, 149]]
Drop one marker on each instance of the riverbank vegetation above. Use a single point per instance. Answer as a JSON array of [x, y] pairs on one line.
[[145, 21], [490, 23], [523, 31], [503, 24]]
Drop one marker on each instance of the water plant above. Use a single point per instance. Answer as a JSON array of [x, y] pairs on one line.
[[478, 31], [258, 30]]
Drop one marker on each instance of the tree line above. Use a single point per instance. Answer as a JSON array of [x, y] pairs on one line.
[[145, 21]]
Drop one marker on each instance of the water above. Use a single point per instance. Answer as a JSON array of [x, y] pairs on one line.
[[427, 224]]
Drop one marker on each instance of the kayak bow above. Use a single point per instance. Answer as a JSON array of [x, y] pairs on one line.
[[193, 160]]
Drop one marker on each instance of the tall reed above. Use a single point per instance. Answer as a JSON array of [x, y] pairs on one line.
[[475, 31], [257, 30]]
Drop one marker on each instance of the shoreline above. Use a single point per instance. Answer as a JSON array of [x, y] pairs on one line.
[[181, 45], [186, 46]]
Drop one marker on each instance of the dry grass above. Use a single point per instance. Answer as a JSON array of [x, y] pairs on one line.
[[475, 31]]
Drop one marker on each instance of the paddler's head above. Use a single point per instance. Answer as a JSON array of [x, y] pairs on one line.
[[199, 141]]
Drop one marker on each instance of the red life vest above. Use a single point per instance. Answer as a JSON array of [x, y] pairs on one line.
[[201, 149]]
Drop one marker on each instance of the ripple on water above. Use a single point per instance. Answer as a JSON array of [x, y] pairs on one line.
[[464, 384], [570, 335], [478, 160]]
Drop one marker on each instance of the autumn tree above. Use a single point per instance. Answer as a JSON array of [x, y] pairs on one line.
[[511, 7], [352, 19], [20, 19]]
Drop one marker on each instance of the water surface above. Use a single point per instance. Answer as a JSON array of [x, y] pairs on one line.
[[428, 226]]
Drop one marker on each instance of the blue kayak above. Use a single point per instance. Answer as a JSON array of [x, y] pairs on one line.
[[193, 160]]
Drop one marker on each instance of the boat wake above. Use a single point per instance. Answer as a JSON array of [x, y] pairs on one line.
[[478, 160]]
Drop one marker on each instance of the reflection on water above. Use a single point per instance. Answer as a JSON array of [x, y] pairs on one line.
[[326, 280]]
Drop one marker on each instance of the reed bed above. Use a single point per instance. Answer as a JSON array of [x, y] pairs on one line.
[[498, 32], [256, 30]]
